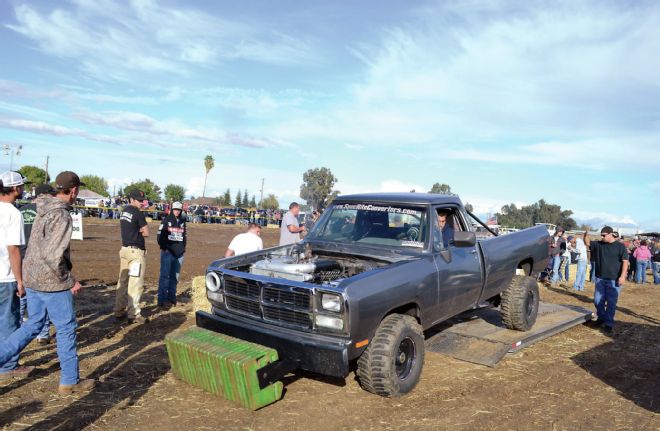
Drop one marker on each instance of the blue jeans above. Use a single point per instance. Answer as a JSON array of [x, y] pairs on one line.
[[605, 299], [556, 261], [59, 306], [567, 269], [9, 321], [45, 331], [640, 271], [592, 273], [656, 272], [170, 267], [580, 275]]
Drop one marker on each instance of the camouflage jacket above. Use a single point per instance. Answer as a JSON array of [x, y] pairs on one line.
[[47, 265]]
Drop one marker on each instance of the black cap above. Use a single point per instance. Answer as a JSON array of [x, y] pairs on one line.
[[44, 189], [606, 229], [138, 195], [67, 180]]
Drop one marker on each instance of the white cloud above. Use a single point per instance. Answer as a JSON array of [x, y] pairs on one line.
[[113, 40], [175, 129]]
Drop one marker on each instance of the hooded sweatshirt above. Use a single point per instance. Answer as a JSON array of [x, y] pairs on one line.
[[642, 253], [47, 266], [172, 235]]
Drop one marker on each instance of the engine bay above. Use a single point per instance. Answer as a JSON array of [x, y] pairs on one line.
[[300, 263]]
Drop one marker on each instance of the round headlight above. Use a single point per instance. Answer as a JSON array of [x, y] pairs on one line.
[[213, 282]]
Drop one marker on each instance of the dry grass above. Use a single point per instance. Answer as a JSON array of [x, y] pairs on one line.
[[198, 295]]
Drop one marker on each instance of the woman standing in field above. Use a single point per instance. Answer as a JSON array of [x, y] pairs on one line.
[[643, 257]]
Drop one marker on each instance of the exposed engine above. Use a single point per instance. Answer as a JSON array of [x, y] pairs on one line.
[[302, 265]]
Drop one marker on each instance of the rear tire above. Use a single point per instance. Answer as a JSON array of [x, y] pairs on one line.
[[520, 303], [392, 364]]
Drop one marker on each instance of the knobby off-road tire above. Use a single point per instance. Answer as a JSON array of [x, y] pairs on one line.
[[520, 303], [392, 364]]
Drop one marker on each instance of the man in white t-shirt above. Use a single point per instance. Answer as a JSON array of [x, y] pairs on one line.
[[12, 238], [246, 242], [290, 230]]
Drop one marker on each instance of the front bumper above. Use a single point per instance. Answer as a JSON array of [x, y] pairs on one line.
[[310, 352]]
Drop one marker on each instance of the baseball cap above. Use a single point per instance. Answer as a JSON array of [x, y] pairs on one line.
[[570, 238], [138, 195], [12, 179], [607, 229], [67, 180], [177, 206], [44, 189]]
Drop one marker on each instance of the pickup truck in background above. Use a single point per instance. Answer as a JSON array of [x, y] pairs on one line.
[[373, 274]]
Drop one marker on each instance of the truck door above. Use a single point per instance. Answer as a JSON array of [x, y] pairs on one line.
[[460, 277]]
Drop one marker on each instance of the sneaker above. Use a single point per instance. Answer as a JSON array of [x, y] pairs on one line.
[[119, 316], [595, 323], [83, 385], [43, 341], [138, 319], [17, 373]]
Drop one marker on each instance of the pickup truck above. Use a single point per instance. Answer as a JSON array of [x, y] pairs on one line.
[[371, 276]]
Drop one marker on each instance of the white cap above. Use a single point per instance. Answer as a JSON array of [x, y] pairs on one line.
[[12, 179], [177, 206]]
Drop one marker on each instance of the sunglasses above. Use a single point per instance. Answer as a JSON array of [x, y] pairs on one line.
[[605, 234]]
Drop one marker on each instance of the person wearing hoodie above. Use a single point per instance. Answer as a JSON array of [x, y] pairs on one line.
[[29, 213], [49, 284], [172, 242], [643, 258]]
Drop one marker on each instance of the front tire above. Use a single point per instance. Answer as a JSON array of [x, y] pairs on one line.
[[392, 364], [520, 303]]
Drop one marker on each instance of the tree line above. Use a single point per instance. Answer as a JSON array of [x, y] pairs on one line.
[[317, 189]]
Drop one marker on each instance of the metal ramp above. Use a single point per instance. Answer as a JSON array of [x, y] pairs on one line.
[[480, 337]]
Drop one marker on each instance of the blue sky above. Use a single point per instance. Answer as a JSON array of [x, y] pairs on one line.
[[505, 101]]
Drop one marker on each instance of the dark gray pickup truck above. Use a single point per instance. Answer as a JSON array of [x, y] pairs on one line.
[[374, 273]]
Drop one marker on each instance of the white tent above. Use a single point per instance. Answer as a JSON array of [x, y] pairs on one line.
[[90, 198]]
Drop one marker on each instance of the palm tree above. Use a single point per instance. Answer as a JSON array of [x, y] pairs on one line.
[[209, 163]]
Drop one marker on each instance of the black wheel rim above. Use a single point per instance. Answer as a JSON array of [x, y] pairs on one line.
[[529, 303], [405, 357]]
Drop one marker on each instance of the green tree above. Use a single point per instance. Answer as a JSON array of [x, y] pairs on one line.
[[270, 203], [174, 192], [226, 198], [209, 163], [34, 174], [442, 189], [96, 184], [238, 202], [317, 187], [539, 212], [150, 189], [245, 201], [253, 202]]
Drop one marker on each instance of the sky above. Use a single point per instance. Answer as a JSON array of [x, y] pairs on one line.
[[505, 101]]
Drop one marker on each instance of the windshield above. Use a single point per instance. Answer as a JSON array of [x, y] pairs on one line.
[[378, 224]]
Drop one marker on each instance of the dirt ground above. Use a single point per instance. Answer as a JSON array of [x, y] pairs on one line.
[[577, 380]]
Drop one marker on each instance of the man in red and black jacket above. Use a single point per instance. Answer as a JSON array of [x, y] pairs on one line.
[[172, 242]]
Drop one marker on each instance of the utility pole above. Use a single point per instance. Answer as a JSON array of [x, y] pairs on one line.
[[46, 179], [261, 199]]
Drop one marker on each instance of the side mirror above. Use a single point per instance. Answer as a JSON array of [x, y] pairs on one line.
[[464, 239]]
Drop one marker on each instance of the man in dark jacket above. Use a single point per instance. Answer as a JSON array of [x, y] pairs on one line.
[[172, 242], [49, 284], [557, 248]]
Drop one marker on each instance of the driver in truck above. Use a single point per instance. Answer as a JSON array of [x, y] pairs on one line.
[[445, 227]]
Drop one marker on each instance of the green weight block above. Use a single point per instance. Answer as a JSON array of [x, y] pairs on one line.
[[222, 365]]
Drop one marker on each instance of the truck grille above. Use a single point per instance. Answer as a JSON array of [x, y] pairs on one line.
[[276, 303]]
